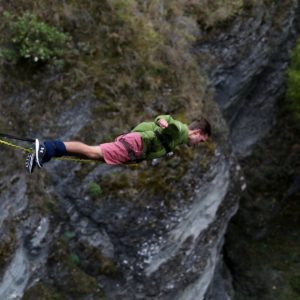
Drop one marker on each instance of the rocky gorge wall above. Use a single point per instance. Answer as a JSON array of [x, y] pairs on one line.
[[247, 65], [127, 242], [248, 74]]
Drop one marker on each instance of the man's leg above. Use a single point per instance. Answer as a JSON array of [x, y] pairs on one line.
[[56, 148], [81, 149]]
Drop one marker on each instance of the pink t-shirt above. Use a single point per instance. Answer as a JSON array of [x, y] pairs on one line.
[[115, 153]]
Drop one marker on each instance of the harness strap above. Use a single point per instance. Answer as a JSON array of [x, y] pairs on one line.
[[131, 153], [163, 141]]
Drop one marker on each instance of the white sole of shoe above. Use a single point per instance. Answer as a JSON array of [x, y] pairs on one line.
[[37, 147], [29, 164]]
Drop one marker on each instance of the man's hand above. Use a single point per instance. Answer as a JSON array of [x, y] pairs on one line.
[[162, 123]]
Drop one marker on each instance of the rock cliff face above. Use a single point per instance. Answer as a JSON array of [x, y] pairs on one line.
[[134, 243], [139, 237], [247, 68]]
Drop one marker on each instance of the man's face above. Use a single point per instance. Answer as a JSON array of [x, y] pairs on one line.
[[197, 137]]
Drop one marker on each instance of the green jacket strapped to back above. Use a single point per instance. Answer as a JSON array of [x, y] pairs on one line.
[[175, 134]]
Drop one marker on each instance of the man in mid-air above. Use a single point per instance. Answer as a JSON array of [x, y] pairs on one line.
[[146, 141]]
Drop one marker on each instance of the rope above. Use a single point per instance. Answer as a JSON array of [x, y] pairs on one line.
[[15, 146], [9, 136], [68, 158]]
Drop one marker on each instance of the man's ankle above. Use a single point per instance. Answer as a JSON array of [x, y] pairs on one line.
[[54, 148]]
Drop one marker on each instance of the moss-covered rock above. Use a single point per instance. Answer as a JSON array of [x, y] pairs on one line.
[[42, 291], [74, 281], [68, 277], [293, 90], [95, 262], [8, 243]]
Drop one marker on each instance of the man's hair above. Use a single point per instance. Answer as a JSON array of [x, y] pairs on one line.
[[201, 124]]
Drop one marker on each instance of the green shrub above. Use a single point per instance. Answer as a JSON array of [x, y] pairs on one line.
[[31, 39], [293, 84], [94, 190], [74, 259]]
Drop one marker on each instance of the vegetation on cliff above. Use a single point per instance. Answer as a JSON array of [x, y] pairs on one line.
[[135, 57], [293, 86], [31, 39]]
